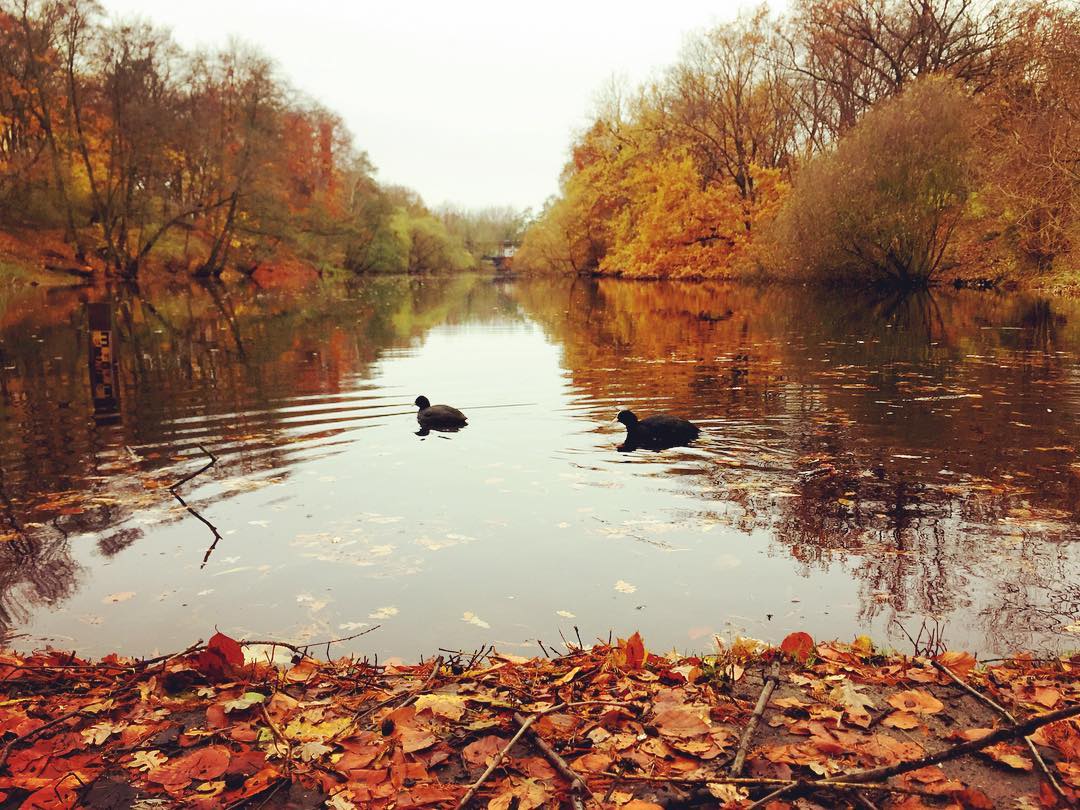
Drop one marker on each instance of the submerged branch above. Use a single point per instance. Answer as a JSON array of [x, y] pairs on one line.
[[213, 529]]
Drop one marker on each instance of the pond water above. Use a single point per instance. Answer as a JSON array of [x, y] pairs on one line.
[[878, 465]]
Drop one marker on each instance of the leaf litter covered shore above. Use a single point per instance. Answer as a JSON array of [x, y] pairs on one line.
[[803, 726]]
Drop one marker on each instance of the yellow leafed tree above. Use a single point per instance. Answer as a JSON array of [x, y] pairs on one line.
[[672, 225]]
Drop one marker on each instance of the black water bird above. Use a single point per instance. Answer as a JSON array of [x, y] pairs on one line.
[[438, 417], [657, 432]]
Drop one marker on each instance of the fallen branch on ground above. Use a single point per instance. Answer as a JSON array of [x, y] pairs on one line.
[[1008, 716], [771, 680]]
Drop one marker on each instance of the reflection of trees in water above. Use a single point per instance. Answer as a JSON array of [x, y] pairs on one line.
[[1037, 598], [895, 431], [200, 363], [35, 568]]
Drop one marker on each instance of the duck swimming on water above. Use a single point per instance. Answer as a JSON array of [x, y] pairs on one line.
[[657, 432], [438, 417]]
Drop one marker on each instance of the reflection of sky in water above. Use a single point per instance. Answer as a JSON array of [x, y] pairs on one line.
[[527, 522]]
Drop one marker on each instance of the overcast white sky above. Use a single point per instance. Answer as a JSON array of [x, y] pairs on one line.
[[470, 102]]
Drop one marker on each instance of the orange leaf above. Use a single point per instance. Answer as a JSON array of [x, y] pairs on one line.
[[202, 764], [961, 663], [594, 762], [901, 719], [227, 648], [481, 752], [799, 646], [221, 656], [635, 652], [1008, 755], [918, 701], [680, 721], [1047, 697], [974, 799]]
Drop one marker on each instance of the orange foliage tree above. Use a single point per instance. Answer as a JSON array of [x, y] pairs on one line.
[[137, 147]]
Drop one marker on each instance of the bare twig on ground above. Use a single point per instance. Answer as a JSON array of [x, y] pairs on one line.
[[35, 731], [302, 649], [577, 784], [364, 711], [771, 680], [754, 781], [499, 757], [281, 738], [997, 707], [958, 750]]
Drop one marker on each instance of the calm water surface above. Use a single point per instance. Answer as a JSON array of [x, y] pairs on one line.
[[865, 464]]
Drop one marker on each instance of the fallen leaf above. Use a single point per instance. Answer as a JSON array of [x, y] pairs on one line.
[[449, 706], [147, 760], [918, 701], [524, 794], [854, 703], [245, 701], [902, 720], [680, 721], [800, 646], [313, 750]]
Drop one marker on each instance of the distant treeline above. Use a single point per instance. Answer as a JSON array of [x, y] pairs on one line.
[[139, 150], [881, 140]]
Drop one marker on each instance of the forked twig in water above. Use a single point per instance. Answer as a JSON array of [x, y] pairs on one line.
[[192, 510]]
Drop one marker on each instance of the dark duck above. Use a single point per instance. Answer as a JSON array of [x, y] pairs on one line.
[[657, 432], [438, 417]]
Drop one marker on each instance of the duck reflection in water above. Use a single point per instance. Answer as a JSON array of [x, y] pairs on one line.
[[442, 418], [657, 432]]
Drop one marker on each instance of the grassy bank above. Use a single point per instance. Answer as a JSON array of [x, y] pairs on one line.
[[806, 725]]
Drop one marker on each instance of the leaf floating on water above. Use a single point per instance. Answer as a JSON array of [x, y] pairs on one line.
[[566, 614], [236, 570], [622, 586], [472, 618], [122, 596]]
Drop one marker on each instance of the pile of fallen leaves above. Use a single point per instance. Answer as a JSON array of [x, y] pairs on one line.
[[807, 725]]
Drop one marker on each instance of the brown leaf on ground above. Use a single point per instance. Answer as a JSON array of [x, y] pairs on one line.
[[680, 722], [917, 701], [902, 720]]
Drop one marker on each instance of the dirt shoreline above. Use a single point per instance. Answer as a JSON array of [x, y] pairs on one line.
[[612, 726]]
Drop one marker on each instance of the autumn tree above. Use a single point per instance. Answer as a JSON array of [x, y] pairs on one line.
[[229, 103], [730, 102], [883, 205], [32, 73], [1032, 145], [856, 53]]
